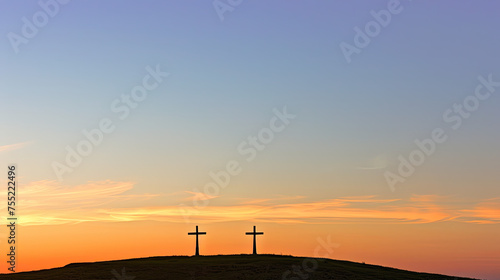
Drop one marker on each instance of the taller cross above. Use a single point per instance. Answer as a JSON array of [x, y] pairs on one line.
[[254, 233], [197, 233]]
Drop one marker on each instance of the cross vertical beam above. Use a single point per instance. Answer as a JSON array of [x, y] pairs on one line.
[[197, 253], [254, 233]]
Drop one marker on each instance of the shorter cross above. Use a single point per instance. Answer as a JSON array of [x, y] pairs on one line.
[[254, 233], [197, 233]]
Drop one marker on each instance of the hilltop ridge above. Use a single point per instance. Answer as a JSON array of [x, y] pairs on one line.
[[232, 267]]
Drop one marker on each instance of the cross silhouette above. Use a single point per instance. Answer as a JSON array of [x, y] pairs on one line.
[[197, 233], [254, 233]]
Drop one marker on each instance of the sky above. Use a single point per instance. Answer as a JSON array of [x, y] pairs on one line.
[[355, 130]]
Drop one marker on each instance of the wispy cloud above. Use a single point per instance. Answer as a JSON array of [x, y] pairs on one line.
[[418, 209], [486, 212], [49, 203], [11, 147], [271, 200]]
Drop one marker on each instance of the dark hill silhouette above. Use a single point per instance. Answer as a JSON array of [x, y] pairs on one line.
[[232, 267]]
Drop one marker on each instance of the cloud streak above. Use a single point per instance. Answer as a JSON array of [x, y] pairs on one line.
[[12, 147], [49, 203]]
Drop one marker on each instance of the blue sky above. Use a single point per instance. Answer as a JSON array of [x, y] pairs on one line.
[[227, 76], [353, 119]]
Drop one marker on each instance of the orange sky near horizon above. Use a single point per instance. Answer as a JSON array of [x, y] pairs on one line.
[[433, 247], [421, 233]]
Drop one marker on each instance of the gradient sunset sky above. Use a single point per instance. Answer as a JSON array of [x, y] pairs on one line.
[[320, 180]]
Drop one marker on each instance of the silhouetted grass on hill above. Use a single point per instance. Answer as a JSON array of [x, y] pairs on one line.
[[232, 267]]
